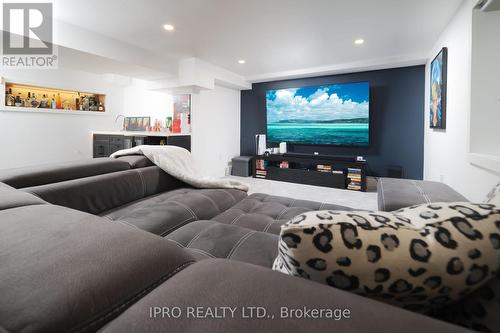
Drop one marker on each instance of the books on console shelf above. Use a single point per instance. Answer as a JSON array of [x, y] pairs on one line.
[[355, 179], [323, 168], [260, 173]]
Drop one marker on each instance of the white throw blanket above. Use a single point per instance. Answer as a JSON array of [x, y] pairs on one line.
[[178, 163]]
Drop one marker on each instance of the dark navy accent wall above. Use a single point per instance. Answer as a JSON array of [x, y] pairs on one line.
[[396, 118]]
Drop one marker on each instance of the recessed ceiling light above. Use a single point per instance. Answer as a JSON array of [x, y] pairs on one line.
[[359, 41], [241, 61], [168, 27]]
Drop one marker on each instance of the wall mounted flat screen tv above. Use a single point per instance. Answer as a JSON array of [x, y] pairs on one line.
[[336, 114]]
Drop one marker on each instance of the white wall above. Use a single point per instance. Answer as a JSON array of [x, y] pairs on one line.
[[446, 152], [36, 138], [139, 101], [215, 137], [485, 72]]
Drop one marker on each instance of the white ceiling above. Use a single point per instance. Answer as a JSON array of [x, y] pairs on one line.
[[271, 35], [78, 60]]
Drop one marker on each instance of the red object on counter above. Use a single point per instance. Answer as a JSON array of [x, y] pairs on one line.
[[176, 126]]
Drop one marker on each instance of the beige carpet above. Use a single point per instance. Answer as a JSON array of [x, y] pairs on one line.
[[359, 200]]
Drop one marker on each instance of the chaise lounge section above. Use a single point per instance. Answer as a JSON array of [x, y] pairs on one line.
[[395, 193]]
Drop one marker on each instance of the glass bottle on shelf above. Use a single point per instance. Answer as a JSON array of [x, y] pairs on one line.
[[92, 104], [44, 103], [27, 101], [18, 101], [53, 102], [80, 107], [34, 102], [58, 102], [9, 99], [86, 103]]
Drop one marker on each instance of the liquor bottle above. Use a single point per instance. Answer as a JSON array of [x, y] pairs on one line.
[[18, 101], [8, 97], [92, 104], [27, 101], [44, 103], [86, 103], [34, 102], [101, 107], [53, 102], [58, 102]]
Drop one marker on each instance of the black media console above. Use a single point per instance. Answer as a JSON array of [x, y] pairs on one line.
[[320, 170]]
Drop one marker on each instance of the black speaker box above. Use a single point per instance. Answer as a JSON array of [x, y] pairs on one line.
[[395, 171]]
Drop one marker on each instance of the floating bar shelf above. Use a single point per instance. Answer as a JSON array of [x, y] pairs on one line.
[[24, 97]]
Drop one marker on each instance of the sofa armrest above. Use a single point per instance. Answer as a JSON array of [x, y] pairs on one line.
[[213, 284], [59, 172], [394, 194]]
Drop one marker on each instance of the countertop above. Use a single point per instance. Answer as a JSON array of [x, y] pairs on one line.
[[140, 133]]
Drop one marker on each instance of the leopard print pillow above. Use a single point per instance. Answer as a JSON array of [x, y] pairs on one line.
[[494, 196], [421, 258]]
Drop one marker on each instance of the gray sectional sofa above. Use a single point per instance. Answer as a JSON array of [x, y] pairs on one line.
[[101, 245]]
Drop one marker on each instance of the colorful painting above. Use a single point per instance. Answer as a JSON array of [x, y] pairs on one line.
[[336, 114], [438, 90]]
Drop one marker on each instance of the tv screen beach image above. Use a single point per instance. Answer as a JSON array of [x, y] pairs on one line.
[[336, 114]]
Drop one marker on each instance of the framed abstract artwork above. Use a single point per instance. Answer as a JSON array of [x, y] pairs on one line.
[[438, 90]]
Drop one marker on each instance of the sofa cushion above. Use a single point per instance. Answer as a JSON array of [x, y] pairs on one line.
[[215, 283], [396, 193], [210, 239], [101, 193], [11, 198], [165, 212], [59, 172], [267, 213], [494, 196], [63, 270], [421, 257]]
